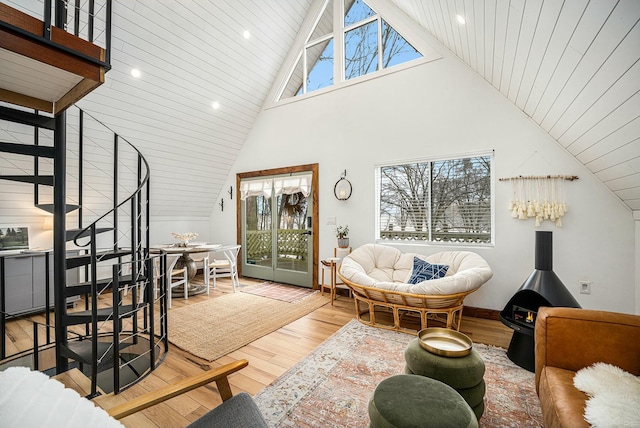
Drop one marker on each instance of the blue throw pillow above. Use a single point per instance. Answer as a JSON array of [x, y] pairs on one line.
[[424, 271]]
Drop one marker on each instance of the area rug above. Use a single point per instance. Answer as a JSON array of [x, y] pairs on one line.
[[331, 387], [213, 328], [274, 290]]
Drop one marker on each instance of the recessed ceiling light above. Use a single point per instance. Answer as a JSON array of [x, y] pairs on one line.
[[246, 34], [461, 19], [215, 105], [136, 73]]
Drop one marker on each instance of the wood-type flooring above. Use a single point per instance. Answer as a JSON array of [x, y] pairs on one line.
[[269, 357]]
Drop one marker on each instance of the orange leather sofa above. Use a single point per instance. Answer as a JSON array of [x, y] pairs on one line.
[[568, 339]]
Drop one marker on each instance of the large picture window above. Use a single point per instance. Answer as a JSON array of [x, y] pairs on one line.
[[436, 201]]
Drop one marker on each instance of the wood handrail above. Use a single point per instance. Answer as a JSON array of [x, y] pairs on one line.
[[219, 375]]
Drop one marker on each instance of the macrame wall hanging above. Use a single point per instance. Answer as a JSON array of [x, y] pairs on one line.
[[539, 197]]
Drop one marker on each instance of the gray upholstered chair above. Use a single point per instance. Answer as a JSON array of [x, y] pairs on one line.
[[30, 398], [239, 411]]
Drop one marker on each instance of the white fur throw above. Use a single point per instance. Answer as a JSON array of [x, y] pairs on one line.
[[615, 396], [30, 399]]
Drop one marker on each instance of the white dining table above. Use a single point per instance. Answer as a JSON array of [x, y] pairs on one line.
[[187, 261]]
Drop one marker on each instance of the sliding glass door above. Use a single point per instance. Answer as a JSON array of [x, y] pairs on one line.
[[277, 228]]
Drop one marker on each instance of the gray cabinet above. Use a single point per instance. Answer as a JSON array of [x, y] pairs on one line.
[[25, 282]]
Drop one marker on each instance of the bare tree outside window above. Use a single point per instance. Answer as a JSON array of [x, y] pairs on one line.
[[356, 11], [258, 209], [361, 50], [395, 48], [292, 211], [447, 201]]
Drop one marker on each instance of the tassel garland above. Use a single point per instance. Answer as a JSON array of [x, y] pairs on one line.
[[540, 198]]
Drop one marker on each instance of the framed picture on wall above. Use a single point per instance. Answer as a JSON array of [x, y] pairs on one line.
[[14, 238]]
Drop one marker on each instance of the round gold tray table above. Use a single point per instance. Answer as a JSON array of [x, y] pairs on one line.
[[445, 342]]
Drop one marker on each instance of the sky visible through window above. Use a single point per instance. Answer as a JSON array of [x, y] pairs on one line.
[[321, 74], [362, 55]]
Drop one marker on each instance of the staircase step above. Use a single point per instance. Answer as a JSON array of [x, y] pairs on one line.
[[27, 149], [85, 287], [27, 118], [81, 350], [49, 208], [46, 180], [85, 259], [75, 233], [104, 314]]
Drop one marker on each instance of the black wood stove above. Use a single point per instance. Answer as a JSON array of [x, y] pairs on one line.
[[541, 288]]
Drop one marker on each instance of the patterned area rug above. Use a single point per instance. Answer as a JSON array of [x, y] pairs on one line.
[[331, 387], [274, 290]]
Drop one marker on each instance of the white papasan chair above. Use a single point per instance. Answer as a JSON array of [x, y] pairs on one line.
[[383, 277]]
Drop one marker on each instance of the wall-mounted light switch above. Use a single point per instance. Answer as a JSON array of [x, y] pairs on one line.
[[331, 221]]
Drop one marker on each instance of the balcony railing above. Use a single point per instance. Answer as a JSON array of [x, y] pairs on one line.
[[292, 243], [89, 20], [458, 237]]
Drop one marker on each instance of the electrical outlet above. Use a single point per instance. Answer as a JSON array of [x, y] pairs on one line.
[[585, 287]]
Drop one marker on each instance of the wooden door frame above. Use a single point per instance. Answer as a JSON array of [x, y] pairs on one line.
[[313, 167]]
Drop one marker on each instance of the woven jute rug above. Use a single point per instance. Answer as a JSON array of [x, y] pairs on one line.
[[274, 290], [213, 328], [331, 387]]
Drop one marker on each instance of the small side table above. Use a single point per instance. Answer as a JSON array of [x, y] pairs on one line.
[[332, 264]]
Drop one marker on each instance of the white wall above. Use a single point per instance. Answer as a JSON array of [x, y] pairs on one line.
[[439, 109], [160, 228]]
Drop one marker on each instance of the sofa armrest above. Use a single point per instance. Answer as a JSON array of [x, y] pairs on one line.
[[571, 339]]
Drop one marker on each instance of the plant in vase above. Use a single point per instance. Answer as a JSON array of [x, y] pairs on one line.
[[342, 233], [184, 238]]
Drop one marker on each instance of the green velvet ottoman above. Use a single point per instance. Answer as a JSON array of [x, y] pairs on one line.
[[464, 374], [406, 401]]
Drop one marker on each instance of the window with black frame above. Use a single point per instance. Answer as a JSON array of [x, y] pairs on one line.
[[444, 200]]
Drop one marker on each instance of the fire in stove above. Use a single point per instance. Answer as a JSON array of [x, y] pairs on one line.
[[523, 315]]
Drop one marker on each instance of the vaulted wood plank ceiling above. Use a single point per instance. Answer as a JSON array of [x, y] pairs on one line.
[[192, 54], [570, 65]]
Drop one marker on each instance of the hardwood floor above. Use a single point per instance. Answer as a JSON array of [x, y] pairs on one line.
[[269, 357]]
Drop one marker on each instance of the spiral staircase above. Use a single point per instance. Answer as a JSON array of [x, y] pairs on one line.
[[96, 185]]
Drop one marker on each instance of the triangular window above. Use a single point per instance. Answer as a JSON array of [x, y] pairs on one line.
[[395, 48], [324, 26], [370, 44], [356, 11], [321, 73]]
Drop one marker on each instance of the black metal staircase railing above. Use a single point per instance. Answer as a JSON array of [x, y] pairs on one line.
[[118, 264], [89, 20], [121, 316], [137, 351], [30, 357]]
